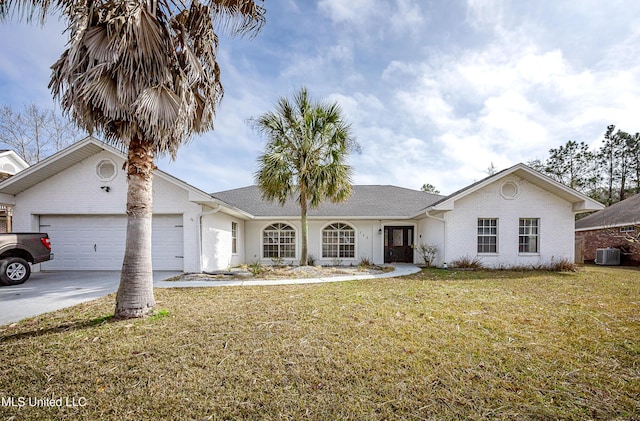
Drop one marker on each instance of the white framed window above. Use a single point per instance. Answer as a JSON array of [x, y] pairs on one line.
[[487, 235], [629, 228], [279, 241], [338, 240], [234, 237], [529, 235]]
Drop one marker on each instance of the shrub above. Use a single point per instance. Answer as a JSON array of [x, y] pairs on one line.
[[255, 268], [562, 265], [311, 260], [466, 262], [365, 262], [277, 261], [428, 253]]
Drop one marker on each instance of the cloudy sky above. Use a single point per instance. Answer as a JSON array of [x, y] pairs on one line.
[[435, 91]]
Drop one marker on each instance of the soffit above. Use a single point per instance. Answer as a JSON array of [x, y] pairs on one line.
[[48, 168]]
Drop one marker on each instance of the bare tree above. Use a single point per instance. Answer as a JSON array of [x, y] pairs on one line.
[[35, 133]]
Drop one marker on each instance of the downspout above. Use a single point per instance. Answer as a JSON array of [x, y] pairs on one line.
[[200, 245], [444, 237]]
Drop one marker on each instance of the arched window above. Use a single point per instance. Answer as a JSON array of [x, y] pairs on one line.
[[279, 240], [338, 240]]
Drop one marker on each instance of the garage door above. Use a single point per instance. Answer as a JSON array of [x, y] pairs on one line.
[[82, 242]]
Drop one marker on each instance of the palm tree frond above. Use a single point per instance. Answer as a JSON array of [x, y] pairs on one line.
[[307, 143], [238, 17], [145, 69], [97, 42], [158, 108], [30, 10]]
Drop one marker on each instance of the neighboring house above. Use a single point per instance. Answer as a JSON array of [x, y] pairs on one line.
[[10, 164], [516, 217], [617, 226]]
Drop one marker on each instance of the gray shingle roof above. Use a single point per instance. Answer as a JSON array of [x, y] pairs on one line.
[[626, 212], [373, 201]]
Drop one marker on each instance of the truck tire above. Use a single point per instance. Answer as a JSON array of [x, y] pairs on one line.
[[14, 271]]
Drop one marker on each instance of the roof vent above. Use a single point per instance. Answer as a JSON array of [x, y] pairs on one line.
[[608, 257], [509, 190], [106, 170]]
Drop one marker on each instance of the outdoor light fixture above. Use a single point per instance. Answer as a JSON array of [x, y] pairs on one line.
[[106, 188]]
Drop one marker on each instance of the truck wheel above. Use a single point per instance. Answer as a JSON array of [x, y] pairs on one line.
[[14, 271]]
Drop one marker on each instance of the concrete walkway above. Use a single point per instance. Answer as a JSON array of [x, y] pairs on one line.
[[401, 269]]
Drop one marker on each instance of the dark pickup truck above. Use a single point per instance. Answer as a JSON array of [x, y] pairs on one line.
[[17, 250]]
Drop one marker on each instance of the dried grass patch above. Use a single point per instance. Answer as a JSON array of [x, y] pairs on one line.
[[435, 345]]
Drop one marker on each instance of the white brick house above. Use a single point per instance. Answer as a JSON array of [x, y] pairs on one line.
[[517, 217]]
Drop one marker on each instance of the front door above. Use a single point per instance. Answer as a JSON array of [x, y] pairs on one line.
[[398, 243]]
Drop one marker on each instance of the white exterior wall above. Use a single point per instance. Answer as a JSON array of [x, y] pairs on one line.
[[556, 236], [369, 242], [76, 190], [431, 232], [216, 242]]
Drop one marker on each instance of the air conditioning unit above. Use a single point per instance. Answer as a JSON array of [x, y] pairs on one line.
[[608, 257]]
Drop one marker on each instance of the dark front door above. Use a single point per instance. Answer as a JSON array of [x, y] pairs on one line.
[[397, 244]]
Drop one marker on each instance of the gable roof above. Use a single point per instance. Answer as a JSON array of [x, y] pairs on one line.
[[581, 203], [626, 212], [366, 201], [74, 154], [13, 158]]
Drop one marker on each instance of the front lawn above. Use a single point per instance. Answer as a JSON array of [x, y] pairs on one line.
[[435, 345]]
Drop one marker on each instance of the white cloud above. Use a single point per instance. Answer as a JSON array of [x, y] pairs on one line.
[[353, 11], [360, 110], [408, 17], [334, 59], [510, 101], [377, 19], [485, 13]]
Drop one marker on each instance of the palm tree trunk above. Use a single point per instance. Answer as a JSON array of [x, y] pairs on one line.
[[135, 294], [305, 240]]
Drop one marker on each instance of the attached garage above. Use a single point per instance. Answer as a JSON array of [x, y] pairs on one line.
[[79, 197], [96, 242]]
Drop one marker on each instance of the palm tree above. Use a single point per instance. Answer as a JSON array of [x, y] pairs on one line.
[[144, 75], [305, 156]]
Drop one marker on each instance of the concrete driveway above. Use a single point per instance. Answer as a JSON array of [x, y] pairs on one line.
[[49, 291]]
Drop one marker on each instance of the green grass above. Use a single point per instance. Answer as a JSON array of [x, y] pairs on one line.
[[435, 345]]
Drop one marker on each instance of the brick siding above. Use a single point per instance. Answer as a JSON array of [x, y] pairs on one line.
[[608, 237]]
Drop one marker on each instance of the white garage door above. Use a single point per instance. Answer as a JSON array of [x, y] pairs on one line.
[[82, 242]]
